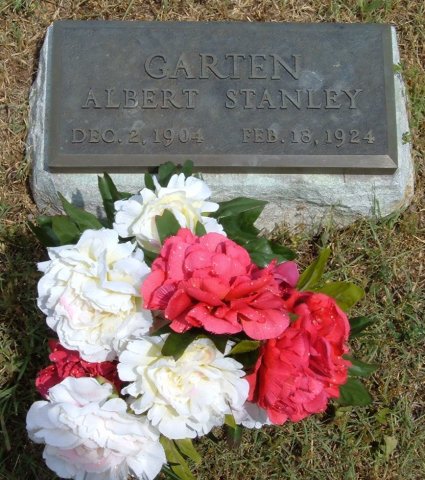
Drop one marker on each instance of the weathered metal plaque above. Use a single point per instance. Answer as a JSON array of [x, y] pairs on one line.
[[125, 96]]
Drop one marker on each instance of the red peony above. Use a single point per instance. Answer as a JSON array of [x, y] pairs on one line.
[[297, 373], [210, 282], [68, 363], [286, 275]]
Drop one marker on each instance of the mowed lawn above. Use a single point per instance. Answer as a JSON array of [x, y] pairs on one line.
[[384, 255]]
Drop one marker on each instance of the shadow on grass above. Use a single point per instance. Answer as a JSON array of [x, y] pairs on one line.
[[23, 351]]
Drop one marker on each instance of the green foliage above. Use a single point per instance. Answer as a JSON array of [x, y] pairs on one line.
[[45, 234], [149, 183], [313, 273], [82, 219], [176, 343], [200, 229], [237, 217], [354, 393], [56, 230], [165, 171], [230, 421], [167, 225], [346, 294], [247, 359], [359, 368], [245, 346], [149, 256], [110, 195], [220, 341], [186, 447], [358, 324], [233, 435], [66, 231], [249, 208], [176, 460]]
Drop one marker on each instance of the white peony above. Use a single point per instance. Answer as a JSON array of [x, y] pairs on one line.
[[186, 397], [184, 197], [90, 293], [89, 436]]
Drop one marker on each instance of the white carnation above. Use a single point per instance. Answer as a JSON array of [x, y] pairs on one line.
[[89, 436], [184, 197], [90, 293], [186, 397]]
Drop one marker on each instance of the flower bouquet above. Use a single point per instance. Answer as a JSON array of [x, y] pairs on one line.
[[173, 316]]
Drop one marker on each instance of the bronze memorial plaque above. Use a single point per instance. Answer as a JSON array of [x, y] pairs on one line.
[[125, 96]]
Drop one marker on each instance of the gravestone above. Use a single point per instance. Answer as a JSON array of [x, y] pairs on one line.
[[309, 117]]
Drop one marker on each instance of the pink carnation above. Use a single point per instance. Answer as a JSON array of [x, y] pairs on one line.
[[68, 363], [210, 282], [297, 374]]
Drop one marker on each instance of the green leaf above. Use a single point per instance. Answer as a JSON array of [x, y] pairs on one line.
[[313, 273], [165, 172], [354, 393], [220, 341], [176, 343], [187, 168], [283, 252], [169, 473], [245, 346], [167, 225], [232, 208], [108, 192], [359, 368], [358, 324], [248, 359], [84, 220], [230, 421], [200, 229], [115, 194], [110, 195], [247, 219], [235, 232], [65, 230], [234, 436], [262, 253], [44, 220], [149, 182], [186, 448], [346, 294], [176, 461], [149, 256], [45, 235], [161, 330]]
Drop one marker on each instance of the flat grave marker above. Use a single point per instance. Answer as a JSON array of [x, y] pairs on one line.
[[125, 96], [310, 117]]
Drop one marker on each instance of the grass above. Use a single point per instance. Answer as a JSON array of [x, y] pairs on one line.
[[386, 256]]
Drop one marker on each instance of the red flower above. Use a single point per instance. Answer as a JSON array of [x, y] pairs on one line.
[[297, 373], [210, 282], [286, 275], [319, 315], [68, 363]]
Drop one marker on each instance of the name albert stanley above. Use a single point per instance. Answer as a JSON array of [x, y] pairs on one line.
[[230, 66]]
